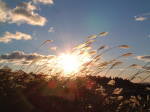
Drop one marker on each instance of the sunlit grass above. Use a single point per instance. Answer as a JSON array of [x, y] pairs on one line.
[[83, 60], [82, 78]]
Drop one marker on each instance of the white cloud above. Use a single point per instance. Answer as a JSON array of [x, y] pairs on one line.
[[20, 57], [44, 1], [28, 6], [23, 13], [4, 11], [140, 18], [51, 29], [144, 58], [8, 37]]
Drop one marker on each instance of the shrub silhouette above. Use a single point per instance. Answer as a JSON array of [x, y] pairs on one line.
[[29, 92]]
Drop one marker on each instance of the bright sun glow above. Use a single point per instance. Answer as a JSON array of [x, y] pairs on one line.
[[71, 63]]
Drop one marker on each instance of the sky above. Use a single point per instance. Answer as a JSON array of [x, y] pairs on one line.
[[25, 24]]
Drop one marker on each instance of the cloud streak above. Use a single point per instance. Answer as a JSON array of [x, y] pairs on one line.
[[18, 55], [23, 58], [51, 29], [8, 37], [44, 1], [23, 13], [142, 17], [28, 61]]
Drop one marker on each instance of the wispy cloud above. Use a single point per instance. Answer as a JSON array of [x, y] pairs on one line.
[[18, 55], [8, 37], [44, 1], [23, 13], [4, 11], [144, 58], [51, 29], [142, 17], [54, 48], [21, 57]]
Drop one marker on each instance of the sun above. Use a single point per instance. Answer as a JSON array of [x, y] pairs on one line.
[[71, 63]]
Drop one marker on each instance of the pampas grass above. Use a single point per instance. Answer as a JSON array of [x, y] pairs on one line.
[[95, 66]]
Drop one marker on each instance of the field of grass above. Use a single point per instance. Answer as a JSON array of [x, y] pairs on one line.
[[22, 92], [92, 88]]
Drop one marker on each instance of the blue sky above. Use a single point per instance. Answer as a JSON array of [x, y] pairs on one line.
[[127, 22]]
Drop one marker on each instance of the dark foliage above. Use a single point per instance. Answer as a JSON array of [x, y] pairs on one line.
[[22, 92]]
